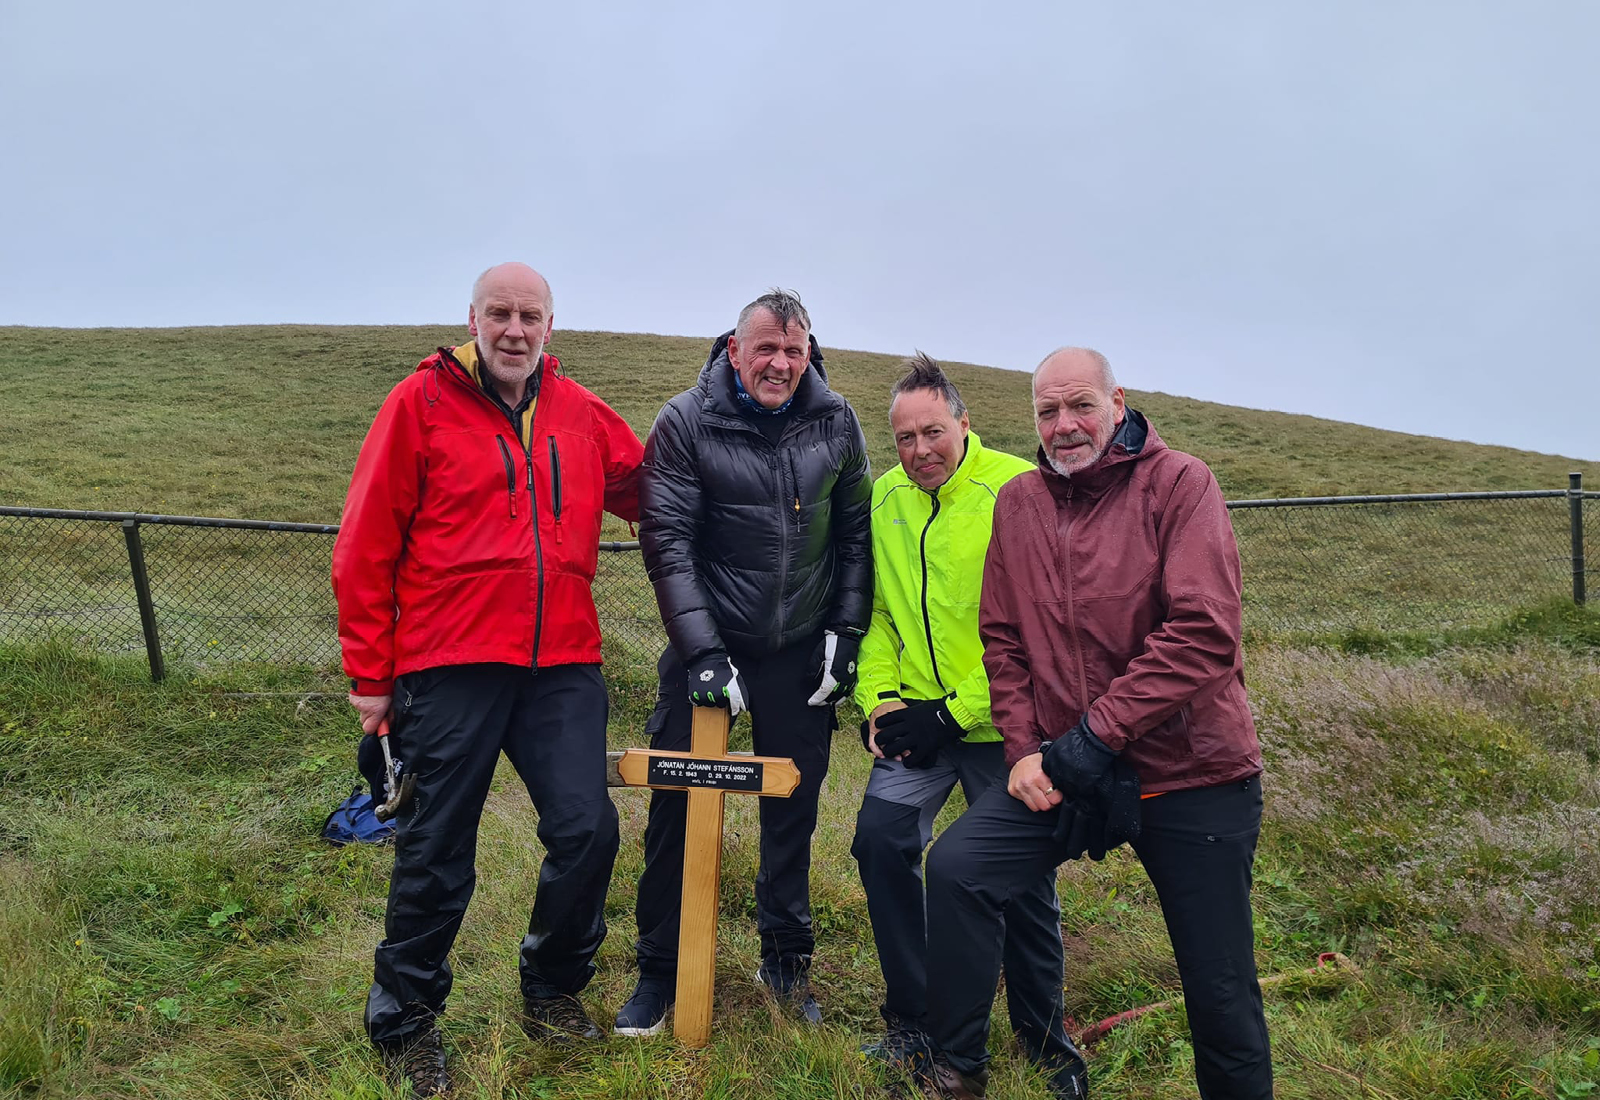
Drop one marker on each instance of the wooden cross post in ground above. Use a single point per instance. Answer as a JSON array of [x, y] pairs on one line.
[[707, 771]]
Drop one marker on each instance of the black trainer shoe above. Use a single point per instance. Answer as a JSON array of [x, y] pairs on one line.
[[904, 1045], [645, 1013], [1070, 1081], [558, 1020], [788, 979], [419, 1061]]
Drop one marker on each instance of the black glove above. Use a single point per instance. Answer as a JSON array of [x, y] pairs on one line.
[[1077, 762], [866, 734], [715, 682], [835, 662], [1109, 819], [921, 730]]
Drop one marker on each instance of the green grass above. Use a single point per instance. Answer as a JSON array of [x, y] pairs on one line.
[[171, 926], [265, 422]]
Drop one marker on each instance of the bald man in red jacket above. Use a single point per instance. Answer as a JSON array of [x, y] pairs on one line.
[[462, 573]]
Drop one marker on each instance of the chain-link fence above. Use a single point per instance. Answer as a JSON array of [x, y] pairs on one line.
[[204, 590]]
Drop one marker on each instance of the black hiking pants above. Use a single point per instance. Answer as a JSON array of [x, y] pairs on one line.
[[450, 725], [893, 827], [782, 725], [1197, 846]]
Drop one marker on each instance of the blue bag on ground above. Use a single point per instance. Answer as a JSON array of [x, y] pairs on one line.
[[354, 821]]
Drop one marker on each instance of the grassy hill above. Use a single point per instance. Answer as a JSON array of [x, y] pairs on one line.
[[264, 422], [171, 927]]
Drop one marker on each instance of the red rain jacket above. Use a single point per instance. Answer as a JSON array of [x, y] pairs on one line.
[[1117, 593], [469, 539]]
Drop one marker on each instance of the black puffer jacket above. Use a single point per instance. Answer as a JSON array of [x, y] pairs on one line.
[[751, 546]]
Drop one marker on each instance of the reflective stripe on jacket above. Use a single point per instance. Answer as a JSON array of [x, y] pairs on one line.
[[927, 562], [1117, 593], [467, 538]]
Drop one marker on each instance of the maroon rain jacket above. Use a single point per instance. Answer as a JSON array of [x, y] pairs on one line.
[[1117, 593]]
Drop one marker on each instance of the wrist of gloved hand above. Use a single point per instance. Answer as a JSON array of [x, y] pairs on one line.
[[919, 731], [1077, 761], [835, 662], [714, 681]]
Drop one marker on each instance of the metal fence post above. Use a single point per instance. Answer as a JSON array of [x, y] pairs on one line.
[[1575, 510], [141, 588]]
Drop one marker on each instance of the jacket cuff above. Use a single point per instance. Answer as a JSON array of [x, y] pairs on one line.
[[1103, 728], [964, 717], [371, 687]]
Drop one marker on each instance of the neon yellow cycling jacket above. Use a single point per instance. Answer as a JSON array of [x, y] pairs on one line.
[[927, 563]]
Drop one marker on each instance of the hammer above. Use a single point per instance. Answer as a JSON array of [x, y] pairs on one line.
[[398, 788]]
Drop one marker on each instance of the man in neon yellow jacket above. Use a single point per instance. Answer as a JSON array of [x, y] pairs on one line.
[[922, 685]]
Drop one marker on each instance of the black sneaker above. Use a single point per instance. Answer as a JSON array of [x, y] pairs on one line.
[[419, 1061], [559, 1020], [904, 1046], [1070, 1081], [645, 1013], [788, 979]]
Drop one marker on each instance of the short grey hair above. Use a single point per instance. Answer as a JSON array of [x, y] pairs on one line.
[[923, 372], [1108, 380], [785, 307]]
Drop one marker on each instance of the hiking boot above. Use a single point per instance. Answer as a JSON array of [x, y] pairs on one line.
[[904, 1046], [558, 1020], [948, 1083], [645, 1013], [418, 1060], [788, 979]]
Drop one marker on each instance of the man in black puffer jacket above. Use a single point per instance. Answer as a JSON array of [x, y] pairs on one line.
[[754, 501]]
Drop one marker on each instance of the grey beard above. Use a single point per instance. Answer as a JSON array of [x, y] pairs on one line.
[[520, 379], [1061, 468]]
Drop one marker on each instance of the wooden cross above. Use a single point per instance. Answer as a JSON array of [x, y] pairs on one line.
[[707, 771]]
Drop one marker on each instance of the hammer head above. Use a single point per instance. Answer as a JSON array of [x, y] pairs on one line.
[[399, 787]]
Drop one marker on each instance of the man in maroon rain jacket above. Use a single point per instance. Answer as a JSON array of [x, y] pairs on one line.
[[1110, 617], [462, 572]]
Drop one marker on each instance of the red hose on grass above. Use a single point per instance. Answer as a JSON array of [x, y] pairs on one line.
[[1327, 961]]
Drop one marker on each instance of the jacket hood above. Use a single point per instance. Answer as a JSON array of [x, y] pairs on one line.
[[716, 382], [1135, 439]]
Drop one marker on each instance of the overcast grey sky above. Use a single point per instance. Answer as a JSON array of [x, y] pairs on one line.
[[1383, 212]]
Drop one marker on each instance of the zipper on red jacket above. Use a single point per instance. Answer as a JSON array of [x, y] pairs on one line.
[[538, 558], [511, 474], [555, 485], [927, 622]]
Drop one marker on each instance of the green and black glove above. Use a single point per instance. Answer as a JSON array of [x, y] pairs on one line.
[[715, 682]]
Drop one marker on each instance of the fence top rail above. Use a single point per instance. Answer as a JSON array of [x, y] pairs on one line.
[[178, 521], [613, 546], [1399, 498]]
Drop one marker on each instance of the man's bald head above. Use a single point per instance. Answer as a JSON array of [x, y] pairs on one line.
[[1080, 362], [513, 276]]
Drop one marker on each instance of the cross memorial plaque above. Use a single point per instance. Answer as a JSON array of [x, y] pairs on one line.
[[707, 771]]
